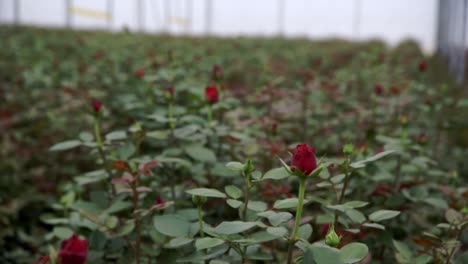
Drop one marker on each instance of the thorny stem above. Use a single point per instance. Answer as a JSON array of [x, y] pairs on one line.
[[171, 118], [246, 197], [449, 257], [210, 115], [200, 219], [343, 191], [292, 239], [136, 219]]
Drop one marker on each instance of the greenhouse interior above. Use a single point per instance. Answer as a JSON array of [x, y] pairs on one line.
[[244, 132]]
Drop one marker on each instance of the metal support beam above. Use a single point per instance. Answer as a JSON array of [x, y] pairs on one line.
[[16, 11], [68, 18], [110, 14], [281, 12], [208, 16]]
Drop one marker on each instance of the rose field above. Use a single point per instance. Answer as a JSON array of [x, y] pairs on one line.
[[130, 148]]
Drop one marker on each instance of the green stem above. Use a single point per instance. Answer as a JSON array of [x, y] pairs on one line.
[[292, 239], [171, 117], [246, 198], [100, 146], [210, 115], [200, 220]]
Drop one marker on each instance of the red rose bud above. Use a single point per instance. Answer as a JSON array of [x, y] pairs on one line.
[[159, 201], [404, 119], [73, 251], [98, 55], [378, 89], [274, 128], [304, 159], [139, 73], [395, 90], [423, 66], [422, 138], [211, 93], [170, 91], [120, 165], [43, 260], [97, 105], [427, 102], [217, 73]]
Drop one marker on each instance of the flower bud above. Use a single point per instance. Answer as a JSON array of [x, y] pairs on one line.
[[97, 105], [332, 239], [348, 149], [248, 167], [198, 200]]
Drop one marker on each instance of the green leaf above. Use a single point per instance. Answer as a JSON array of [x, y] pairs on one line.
[[276, 174], [280, 231], [437, 202], [179, 242], [453, 216], [362, 163], [355, 216], [353, 252], [233, 191], [257, 206], [323, 254], [201, 153], [304, 231], [62, 232], [381, 215], [279, 218], [172, 225], [205, 192], [287, 203], [118, 206], [356, 204], [374, 225], [116, 135], [208, 242], [66, 145], [235, 166], [403, 250], [126, 229], [234, 203], [234, 227]]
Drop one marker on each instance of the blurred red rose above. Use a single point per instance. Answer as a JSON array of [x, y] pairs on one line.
[[97, 105], [217, 73], [423, 66], [378, 89], [139, 73], [211, 93], [73, 251]]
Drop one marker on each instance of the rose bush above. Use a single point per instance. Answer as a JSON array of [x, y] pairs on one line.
[[227, 151]]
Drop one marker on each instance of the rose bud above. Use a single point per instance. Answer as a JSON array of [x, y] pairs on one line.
[[332, 239], [159, 201], [43, 260], [98, 55], [211, 93], [120, 165], [423, 66], [73, 251], [427, 102], [217, 73], [404, 119], [395, 90], [274, 128], [304, 159], [139, 73], [170, 92], [422, 138], [378, 89], [97, 105]]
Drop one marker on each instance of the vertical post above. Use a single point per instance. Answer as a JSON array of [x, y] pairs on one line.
[[68, 6], [110, 14], [139, 15], [208, 14], [188, 16], [16, 11], [357, 18], [281, 12], [167, 15], [462, 47]]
